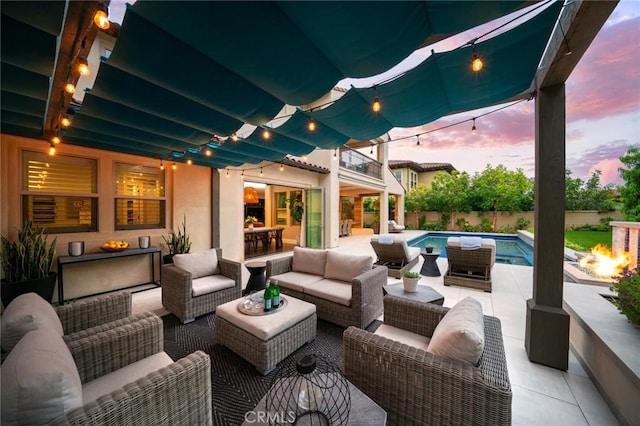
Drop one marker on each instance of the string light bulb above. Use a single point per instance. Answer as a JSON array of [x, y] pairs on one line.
[[417, 140], [83, 66], [207, 152], [376, 106], [189, 161], [260, 171], [52, 150], [281, 167], [55, 139], [174, 167], [473, 128], [234, 137], [476, 63], [304, 157], [371, 151], [242, 174], [101, 18], [335, 153], [161, 165], [227, 173], [266, 134], [311, 125], [70, 86], [65, 121]]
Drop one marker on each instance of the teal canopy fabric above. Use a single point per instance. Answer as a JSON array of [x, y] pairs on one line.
[[183, 76]]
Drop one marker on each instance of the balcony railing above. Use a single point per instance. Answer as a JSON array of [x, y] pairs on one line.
[[358, 162]]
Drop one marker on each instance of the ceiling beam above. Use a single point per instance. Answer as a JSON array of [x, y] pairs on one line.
[[580, 20]]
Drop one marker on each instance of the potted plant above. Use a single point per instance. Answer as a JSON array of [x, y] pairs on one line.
[[250, 220], [429, 248], [296, 206], [177, 243], [26, 264], [375, 223], [410, 281]]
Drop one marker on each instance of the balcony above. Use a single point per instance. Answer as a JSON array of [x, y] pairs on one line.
[[356, 161]]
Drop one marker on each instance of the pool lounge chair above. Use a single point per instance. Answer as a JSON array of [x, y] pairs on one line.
[[394, 253], [394, 227], [470, 262]]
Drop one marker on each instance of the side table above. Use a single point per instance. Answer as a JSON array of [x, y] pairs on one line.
[[429, 266], [257, 279], [423, 293]]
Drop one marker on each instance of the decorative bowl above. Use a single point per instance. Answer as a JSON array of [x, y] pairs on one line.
[[113, 249]]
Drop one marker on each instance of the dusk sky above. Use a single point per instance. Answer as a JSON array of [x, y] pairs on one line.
[[603, 110]]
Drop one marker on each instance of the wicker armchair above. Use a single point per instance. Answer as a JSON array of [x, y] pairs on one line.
[[161, 392], [416, 387], [178, 296]]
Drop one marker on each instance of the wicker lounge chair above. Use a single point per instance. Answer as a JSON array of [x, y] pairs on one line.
[[187, 301], [470, 268], [394, 253], [394, 227], [417, 387]]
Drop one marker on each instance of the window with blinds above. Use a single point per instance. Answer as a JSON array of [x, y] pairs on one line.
[[60, 193], [140, 197]]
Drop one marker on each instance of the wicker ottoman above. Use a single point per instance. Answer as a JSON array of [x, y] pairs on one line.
[[266, 340]]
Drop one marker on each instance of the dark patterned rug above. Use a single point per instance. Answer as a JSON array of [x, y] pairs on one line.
[[236, 385]]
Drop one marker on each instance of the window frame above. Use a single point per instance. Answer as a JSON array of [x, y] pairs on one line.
[[127, 198]]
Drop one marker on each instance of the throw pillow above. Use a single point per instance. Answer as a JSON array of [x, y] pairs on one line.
[[199, 264], [345, 267], [460, 333], [25, 313], [40, 380], [310, 261]]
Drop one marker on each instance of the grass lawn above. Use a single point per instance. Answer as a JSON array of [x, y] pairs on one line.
[[585, 240]]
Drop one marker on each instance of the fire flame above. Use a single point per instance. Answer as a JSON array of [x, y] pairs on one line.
[[605, 263]]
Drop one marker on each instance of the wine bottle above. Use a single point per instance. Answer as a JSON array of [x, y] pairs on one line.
[[275, 294], [268, 298]]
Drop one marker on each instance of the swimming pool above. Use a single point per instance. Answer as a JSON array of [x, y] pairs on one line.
[[509, 248]]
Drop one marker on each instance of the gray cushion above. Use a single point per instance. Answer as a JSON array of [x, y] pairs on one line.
[[345, 267], [460, 333], [311, 261], [25, 313], [199, 264], [40, 380]]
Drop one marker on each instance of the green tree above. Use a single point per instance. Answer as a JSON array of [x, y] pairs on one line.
[[416, 200], [589, 194], [450, 193], [367, 204], [630, 192], [499, 189]]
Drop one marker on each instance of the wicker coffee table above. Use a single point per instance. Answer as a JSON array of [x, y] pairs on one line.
[[264, 343]]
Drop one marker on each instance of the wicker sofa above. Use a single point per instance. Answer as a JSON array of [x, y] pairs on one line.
[[417, 387], [113, 377], [196, 283], [346, 289]]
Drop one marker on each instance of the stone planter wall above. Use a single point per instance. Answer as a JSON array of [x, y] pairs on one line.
[[606, 345]]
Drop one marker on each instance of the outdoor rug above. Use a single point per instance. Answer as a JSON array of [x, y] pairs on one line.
[[236, 385]]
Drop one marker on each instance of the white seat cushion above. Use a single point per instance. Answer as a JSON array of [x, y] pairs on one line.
[[403, 336], [199, 264], [297, 281], [210, 284], [40, 380], [333, 290], [310, 261], [266, 327], [489, 243], [25, 313], [460, 333], [345, 267], [115, 380], [413, 252]]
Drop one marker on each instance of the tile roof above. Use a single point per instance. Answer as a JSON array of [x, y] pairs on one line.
[[293, 162], [421, 167]]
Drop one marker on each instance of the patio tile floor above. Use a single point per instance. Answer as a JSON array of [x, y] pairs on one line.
[[541, 395]]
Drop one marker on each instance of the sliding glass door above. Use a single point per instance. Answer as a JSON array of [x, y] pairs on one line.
[[314, 218]]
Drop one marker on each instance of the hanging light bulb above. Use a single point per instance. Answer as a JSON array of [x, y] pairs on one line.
[[174, 167], [234, 137], [304, 157], [242, 174], [266, 134], [376, 106], [311, 125], [476, 63], [227, 173], [335, 153], [161, 165], [101, 18], [260, 171], [70, 86], [52, 150], [207, 152], [417, 140], [55, 139], [65, 121], [473, 128], [189, 161], [83, 65], [282, 167]]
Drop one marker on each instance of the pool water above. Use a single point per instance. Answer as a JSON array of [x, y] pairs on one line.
[[509, 249]]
